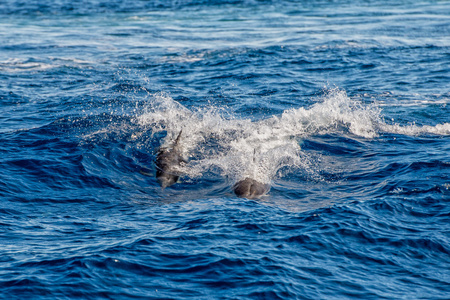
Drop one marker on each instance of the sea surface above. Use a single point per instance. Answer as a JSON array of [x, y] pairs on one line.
[[343, 107]]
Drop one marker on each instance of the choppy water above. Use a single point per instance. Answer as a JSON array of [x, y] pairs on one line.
[[343, 107]]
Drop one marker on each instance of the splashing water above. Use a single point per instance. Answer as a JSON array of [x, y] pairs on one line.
[[213, 139]]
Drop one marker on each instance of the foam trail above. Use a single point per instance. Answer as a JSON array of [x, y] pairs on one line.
[[214, 139], [412, 130]]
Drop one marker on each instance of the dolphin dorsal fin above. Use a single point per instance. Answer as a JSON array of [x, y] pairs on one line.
[[175, 144], [178, 137]]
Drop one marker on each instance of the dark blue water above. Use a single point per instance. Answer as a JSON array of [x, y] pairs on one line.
[[341, 106]]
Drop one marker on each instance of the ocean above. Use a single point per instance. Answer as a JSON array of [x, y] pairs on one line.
[[342, 107]]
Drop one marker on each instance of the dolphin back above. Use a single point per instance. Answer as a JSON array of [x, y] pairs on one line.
[[250, 188]]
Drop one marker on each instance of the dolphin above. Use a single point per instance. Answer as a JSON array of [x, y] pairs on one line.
[[250, 188], [167, 159]]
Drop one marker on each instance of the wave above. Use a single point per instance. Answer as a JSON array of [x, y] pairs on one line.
[[439, 129], [215, 140], [17, 65], [46, 7]]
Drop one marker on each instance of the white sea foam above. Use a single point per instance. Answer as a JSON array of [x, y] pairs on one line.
[[439, 129], [214, 139], [13, 65], [16, 65]]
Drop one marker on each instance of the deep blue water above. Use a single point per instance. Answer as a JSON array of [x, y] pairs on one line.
[[342, 106]]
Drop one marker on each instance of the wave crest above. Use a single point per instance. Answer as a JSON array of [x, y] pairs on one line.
[[214, 139]]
